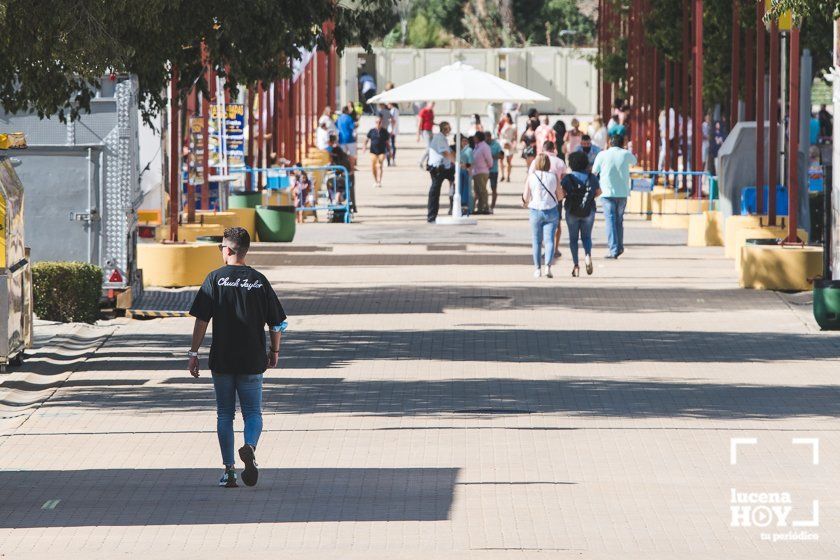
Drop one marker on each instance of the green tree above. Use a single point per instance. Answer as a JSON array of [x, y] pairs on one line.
[[52, 54]]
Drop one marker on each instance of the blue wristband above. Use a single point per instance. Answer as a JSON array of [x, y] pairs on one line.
[[281, 328]]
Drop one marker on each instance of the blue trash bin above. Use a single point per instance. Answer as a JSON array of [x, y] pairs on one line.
[[748, 202]]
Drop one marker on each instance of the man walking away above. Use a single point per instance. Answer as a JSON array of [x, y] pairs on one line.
[[241, 302], [482, 162], [425, 123], [380, 142], [440, 167], [346, 126], [498, 153], [613, 169]]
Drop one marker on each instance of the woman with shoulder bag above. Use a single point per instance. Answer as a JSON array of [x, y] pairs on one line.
[[541, 196], [580, 188]]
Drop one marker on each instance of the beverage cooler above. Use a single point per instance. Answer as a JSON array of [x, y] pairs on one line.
[[15, 271]]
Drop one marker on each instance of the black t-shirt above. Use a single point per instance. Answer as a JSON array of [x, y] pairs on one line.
[[378, 140], [241, 303]]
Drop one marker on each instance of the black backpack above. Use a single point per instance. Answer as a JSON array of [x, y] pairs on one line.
[[580, 197]]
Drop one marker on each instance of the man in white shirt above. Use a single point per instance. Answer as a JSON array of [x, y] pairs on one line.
[[439, 166], [558, 167], [322, 136]]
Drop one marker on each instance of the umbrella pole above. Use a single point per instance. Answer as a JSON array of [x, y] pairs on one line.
[[456, 200]]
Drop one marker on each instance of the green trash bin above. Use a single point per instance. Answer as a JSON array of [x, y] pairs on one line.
[[244, 199], [209, 239], [827, 304], [276, 223]]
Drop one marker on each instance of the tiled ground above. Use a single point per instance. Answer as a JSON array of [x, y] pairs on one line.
[[435, 401]]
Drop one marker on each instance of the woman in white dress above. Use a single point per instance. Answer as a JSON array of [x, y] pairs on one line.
[[507, 137]]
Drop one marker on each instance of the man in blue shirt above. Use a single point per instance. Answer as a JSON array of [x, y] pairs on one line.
[[347, 134], [613, 169]]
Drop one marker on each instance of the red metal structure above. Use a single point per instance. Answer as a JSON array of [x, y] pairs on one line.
[[281, 119], [761, 37], [793, 137], [773, 160]]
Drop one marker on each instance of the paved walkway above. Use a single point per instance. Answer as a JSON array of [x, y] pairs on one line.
[[436, 401]]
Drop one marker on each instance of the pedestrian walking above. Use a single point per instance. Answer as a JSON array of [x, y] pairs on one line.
[[464, 170], [346, 126], [511, 109], [241, 302], [580, 189], [558, 168], [493, 113], [425, 124], [598, 132], [497, 153], [393, 130], [544, 133], [589, 148], [367, 89], [541, 196], [440, 167], [559, 135], [529, 142], [613, 169], [572, 139], [507, 135], [378, 139], [475, 125], [482, 163], [327, 119]]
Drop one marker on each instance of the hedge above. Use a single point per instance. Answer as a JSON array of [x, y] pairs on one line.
[[67, 291]]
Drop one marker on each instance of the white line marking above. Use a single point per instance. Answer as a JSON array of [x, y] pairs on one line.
[[815, 447], [733, 447]]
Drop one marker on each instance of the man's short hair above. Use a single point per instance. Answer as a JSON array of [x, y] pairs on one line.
[[548, 146], [578, 161], [586, 138], [239, 240], [479, 136], [443, 124], [617, 140]]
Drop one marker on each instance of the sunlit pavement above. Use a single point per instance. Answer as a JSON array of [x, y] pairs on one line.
[[434, 400]]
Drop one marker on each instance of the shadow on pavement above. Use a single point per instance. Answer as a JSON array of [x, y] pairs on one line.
[[126, 497]]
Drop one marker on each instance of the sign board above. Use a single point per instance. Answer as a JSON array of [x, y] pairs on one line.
[[641, 185], [196, 156], [785, 20], [232, 137]]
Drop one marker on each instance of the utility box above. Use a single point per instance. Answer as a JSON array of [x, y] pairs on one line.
[[15, 271], [83, 186]]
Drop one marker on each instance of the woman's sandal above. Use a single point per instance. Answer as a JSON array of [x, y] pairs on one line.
[[575, 271]]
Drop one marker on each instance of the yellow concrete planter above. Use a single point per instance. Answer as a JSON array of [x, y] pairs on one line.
[[639, 203], [670, 221], [706, 229], [773, 267], [659, 195], [731, 227], [242, 217], [151, 217], [177, 264], [190, 232], [684, 205], [742, 234]]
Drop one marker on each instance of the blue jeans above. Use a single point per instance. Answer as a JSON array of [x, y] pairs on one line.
[[466, 196], [614, 220], [580, 227], [249, 388], [543, 225]]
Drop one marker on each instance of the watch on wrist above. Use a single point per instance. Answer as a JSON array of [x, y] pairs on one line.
[[192, 354]]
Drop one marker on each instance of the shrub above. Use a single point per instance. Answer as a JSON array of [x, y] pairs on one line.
[[67, 291]]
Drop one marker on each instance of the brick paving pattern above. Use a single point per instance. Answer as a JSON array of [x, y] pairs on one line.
[[435, 401]]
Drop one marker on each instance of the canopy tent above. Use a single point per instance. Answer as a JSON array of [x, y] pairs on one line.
[[459, 82]]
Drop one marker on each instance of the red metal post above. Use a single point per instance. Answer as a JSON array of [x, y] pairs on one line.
[[698, 93], [192, 111], [773, 173], [654, 113], [793, 136], [174, 157], [666, 138], [749, 72], [761, 38], [205, 156], [735, 78], [686, 101]]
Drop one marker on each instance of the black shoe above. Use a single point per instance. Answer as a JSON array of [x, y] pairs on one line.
[[228, 479], [614, 257], [620, 253], [250, 474]]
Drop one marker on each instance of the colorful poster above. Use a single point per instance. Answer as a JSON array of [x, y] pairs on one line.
[[196, 157], [233, 137]]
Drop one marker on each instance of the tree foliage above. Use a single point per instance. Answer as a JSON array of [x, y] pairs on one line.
[[52, 53], [502, 23]]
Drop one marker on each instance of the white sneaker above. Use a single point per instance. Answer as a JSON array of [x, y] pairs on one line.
[[548, 273], [537, 273]]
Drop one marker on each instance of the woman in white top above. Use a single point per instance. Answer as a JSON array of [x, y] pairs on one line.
[[541, 197], [326, 119], [598, 133]]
